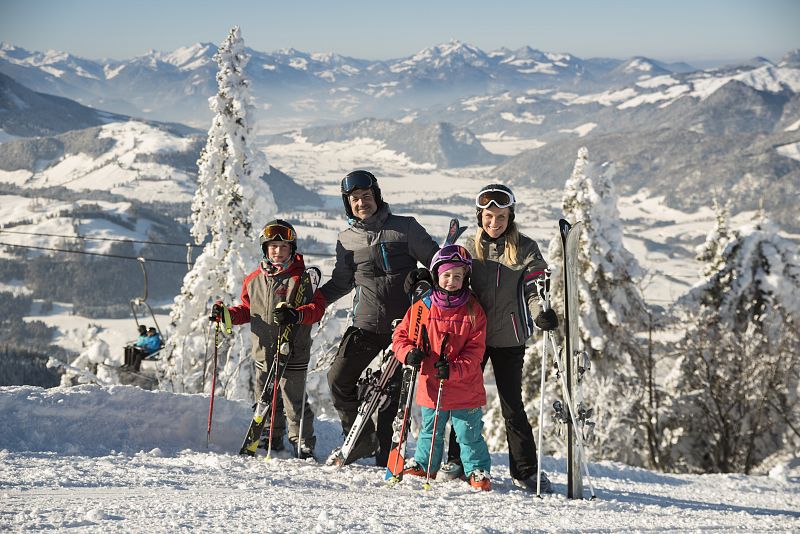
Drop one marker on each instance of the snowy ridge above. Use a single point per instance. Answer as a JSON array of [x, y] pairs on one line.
[[129, 166], [129, 460]]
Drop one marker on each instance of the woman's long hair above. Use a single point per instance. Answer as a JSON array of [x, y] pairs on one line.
[[512, 244]]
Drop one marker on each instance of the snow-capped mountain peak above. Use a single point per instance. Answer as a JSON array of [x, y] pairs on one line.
[[791, 59], [638, 64], [191, 57]]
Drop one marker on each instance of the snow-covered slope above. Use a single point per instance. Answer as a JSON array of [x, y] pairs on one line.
[[121, 158], [120, 459]]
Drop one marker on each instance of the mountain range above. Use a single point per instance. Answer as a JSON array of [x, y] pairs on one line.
[[685, 134], [291, 85]]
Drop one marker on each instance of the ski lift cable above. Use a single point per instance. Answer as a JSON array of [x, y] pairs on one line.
[[90, 238], [189, 246], [116, 256]]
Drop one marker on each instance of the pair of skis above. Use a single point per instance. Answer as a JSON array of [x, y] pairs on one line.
[[571, 365], [309, 281], [375, 391]]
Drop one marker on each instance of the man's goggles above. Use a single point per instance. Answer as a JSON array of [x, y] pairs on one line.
[[278, 232], [357, 180], [498, 197]]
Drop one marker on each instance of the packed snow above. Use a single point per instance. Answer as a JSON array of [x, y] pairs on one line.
[[121, 459]]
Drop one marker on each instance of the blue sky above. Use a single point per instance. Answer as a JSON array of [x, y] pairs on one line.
[[694, 30]]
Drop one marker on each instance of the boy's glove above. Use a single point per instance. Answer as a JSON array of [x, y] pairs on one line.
[[415, 357], [442, 369], [285, 314], [217, 312], [547, 320], [414, 276]]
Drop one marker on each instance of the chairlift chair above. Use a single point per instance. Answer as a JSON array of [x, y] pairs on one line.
[[144, 308]]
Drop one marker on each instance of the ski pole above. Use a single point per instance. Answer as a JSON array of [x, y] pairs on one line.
[[213, 385], [427, 484], [302, 415], [442, 357], [205, 358], [282, 350], [541, 286]]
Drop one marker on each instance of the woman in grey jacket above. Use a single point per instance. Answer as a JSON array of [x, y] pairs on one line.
[[505, 267]]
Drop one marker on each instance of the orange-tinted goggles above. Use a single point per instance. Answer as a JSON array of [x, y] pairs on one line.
[[277, 232]]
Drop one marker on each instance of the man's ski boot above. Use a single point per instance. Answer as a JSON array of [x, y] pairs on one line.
[[529, 484], [366, 447]]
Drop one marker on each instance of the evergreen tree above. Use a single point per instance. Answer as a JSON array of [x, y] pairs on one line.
[[710, 252], [737, 377], [611, 312], [222, 209]]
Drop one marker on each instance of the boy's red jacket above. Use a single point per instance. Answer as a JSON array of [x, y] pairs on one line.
[[265, 303], [466, 345]]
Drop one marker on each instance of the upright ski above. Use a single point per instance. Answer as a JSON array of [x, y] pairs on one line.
[[572, 357], [309, 281], [454, 232]]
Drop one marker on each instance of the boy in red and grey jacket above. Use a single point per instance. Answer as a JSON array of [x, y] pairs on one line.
[[277, 280]]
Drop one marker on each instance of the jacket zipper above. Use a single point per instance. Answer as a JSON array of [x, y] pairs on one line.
[[514, 324], [385, 257]]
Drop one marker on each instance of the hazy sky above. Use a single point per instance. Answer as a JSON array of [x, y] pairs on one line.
[[694, 30]]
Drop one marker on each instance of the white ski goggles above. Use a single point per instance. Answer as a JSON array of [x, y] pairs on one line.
[[498, 197]]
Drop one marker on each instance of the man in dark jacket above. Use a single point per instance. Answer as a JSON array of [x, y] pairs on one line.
[[373, 255]]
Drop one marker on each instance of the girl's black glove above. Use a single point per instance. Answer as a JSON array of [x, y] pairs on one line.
[[442, 369], [415, 357]]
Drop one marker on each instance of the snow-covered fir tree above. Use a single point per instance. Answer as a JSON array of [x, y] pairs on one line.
[[611, 313], [737, 375], [710, 252], [222, 216]]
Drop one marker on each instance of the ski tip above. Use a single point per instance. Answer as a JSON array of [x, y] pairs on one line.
[[564, 226]]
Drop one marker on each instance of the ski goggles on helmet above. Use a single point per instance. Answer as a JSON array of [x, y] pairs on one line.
[[278, 232], [453, 253], [357, 180], [499, 197]]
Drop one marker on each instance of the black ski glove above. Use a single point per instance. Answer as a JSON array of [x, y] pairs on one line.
[[414, 276], [547, 320], [442, 369], [415, 357], [285, 314], [217, 312]]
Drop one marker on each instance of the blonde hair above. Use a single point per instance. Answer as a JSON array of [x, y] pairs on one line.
[[510, 253], [471, 303]]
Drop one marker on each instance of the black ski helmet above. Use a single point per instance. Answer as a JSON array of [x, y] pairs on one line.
[[359, 179], [277, 230], [486, 192]]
